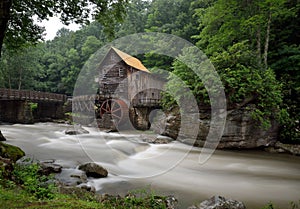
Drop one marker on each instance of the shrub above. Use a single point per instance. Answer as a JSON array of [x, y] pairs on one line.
[[33, 182]]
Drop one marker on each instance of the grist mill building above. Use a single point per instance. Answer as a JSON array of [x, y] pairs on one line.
[[127, 92]]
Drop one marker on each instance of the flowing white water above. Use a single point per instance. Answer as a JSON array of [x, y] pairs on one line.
[[254, 177]]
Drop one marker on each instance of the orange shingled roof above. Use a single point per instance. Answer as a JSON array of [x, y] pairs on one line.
[[131, 61]]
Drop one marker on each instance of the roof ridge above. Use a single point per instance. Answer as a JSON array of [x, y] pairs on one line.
[[131, 61]]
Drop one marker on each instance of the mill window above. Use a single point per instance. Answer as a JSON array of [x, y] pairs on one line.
[[121, 72]]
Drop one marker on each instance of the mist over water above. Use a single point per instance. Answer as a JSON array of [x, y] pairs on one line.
[[254, 177]]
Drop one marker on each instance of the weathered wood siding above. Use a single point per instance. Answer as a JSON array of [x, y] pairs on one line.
[[112, 76], [117, 79], [143, 88]]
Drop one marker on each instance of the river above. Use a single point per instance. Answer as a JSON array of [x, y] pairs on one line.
[[253, 177]]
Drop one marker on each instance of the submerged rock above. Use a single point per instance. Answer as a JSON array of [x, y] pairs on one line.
[[219, 202], [76, 131], [93, 170], [71, 177], [157, 139], [2, 138], [290, 148], [48, 167]]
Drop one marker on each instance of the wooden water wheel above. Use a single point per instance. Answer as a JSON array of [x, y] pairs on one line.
[[118, 110]]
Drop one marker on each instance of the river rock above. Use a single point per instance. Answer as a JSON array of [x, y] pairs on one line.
[[71, 177], [88, 188], [49, 166], [12, 152], [159, 139], [2, 138], [171, 202], [290, 148], [219, 202], [93, 170], [76, 131], [26, 160]]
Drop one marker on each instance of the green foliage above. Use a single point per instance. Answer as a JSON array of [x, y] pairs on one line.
[[270, 205], [173, 17], [246, 83], [20, 69], [39, 185], [136, 18], [33, 106], [108, 13], [19, 198], [137, 199], [258, 61], [242, 39]]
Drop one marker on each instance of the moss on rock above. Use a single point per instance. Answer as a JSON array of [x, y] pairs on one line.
[[12, 152]]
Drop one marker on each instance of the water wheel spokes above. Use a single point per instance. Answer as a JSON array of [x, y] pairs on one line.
[[116, 108]]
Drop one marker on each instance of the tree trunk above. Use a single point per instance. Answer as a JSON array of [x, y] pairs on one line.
[[267, 42], [5, 6], [20, 79], [258, 46]]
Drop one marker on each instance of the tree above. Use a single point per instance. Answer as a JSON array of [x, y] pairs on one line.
[[136, 18], [174, 17], [17, 26], [284, 58], [227, 22], [21, 69]]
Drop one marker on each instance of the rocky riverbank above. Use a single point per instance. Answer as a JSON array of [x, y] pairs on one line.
[[75, 183], [241, 131]]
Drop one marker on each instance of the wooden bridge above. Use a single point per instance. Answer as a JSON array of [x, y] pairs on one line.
[[25, 106], [35, 96]]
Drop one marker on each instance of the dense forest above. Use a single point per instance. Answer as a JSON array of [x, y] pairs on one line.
[[253, 44]]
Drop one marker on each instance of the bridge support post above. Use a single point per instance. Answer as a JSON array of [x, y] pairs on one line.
[[16, 111]]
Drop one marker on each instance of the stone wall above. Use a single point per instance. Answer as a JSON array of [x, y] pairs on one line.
[[140, 117], [49, 110], [241, 131], [21, 111], [15, 112]]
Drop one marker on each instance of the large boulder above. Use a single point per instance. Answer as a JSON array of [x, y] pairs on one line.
[[12, 152], [93, 170], [2, 138], [219, 202]]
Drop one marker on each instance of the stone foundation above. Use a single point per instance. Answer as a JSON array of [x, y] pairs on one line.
[[21, 111]]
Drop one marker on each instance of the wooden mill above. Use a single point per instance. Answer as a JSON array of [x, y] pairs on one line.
[[127, 92]]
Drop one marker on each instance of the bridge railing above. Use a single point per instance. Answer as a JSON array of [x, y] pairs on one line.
[[13, 94]]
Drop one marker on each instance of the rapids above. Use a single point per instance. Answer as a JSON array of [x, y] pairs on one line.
[[253, 177]]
